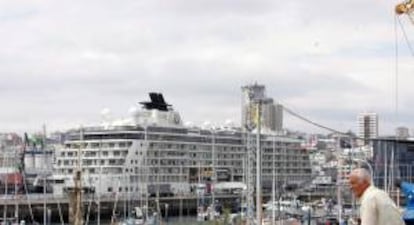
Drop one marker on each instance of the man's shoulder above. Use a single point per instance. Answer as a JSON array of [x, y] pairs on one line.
[[372, 193], [379, 192]]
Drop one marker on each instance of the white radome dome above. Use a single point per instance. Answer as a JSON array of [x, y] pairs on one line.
[[206, 124], [229, 123], [189, 124], [132, 111]]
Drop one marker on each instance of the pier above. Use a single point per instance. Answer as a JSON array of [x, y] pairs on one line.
[[178, 205], [183, 205]]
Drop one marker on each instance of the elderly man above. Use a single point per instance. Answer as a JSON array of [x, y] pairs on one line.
[[377, 208]]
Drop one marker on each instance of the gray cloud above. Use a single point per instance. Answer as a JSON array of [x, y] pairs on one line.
[[62, 62]]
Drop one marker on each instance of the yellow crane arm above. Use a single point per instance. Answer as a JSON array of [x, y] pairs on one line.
[[404, 7]]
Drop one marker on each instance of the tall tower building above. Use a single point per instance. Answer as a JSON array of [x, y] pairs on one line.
[[272, 115], [367, 126], [279, 117]]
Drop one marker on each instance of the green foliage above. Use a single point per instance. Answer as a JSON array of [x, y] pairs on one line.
[[224, 219]]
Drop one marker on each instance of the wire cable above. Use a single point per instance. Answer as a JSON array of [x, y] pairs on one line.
[[396, 20], [312, 122], [407, 41]]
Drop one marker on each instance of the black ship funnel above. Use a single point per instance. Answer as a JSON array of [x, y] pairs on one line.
[[157, 102]]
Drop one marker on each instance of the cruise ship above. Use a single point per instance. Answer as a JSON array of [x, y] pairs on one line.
[[154, 151]]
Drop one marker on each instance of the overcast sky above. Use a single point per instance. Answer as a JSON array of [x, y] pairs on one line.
[[62, 62]]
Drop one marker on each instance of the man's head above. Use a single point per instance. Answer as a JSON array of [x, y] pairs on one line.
[[359, 181]]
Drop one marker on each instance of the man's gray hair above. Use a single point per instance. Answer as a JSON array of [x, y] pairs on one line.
[[362, 174]]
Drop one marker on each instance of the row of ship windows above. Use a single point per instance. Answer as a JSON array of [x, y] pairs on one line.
[[126, 189], [285, 151], [194, 139], [181, 155], [221, 160], [157, 146], [216, 139], [206, 147], [286, 164], [84, 145], [165, 162], [286, 171], [197, 155], [278, 157], [162, 145], [270, 160], [93, 171], [87, 162], [95, 154]]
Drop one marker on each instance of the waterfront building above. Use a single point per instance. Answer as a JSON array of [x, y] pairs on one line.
[[11, 150], [392, 159], [402, 132]]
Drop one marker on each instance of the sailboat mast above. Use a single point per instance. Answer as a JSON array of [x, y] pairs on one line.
[[258, 167], [146, 173], [76, 195], [99, 181], [273, 183], [16, 206], [44, 175], [214, 177], [5, 162], [157, 201]]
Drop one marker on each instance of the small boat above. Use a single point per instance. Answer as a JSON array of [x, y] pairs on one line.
[[284, 207], [137, 217], [209, 213]]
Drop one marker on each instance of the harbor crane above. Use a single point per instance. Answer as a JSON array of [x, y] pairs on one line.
[[407, 8]]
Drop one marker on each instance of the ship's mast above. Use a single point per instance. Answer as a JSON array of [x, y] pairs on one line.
[[75, 211]]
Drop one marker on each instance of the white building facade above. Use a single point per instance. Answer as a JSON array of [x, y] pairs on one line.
[[367, 126]]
